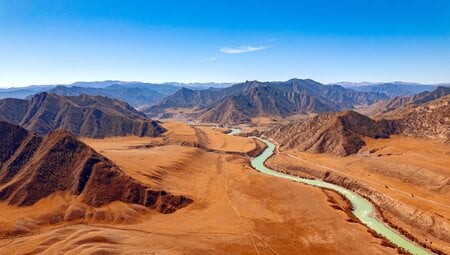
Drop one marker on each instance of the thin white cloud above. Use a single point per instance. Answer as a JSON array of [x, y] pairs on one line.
[[243, 49]]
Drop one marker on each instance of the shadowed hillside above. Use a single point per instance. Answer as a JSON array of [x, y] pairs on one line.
[[87, 116], [34, 167]]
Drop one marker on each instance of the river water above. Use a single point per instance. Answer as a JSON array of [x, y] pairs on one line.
[[234, 131], [362, 208]]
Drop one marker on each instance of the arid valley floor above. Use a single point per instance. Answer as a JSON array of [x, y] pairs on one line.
[[236, 210]]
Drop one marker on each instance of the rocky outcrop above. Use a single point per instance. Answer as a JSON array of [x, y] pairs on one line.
[[34, 167], [86, 116], [430, 120], [335, 133]]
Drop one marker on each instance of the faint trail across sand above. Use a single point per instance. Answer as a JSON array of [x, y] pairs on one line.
[[234, 208], [239, 215]]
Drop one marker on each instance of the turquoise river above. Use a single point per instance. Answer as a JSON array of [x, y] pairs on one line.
[[362, 208]]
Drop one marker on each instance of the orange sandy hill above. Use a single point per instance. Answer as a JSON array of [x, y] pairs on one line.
[[34, 167], [84, 116]]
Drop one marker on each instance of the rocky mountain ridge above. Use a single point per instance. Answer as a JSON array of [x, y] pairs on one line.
[[87, 116], [253, 98]]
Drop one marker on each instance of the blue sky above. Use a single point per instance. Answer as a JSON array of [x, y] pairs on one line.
[[48, 42]]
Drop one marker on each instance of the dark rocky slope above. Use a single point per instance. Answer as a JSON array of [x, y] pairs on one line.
[[34, 167]]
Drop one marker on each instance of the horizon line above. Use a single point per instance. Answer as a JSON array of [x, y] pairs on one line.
[[217, 82]]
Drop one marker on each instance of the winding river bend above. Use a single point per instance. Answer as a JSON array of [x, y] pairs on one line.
[[362, 208]]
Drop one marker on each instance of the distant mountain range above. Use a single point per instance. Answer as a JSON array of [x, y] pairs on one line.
[[227, 104], [200, 85], [23, 92], [141, 94], [34, 167], [382, 107], [240, 102], [391, 89], [87, 116], [137, 94]]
